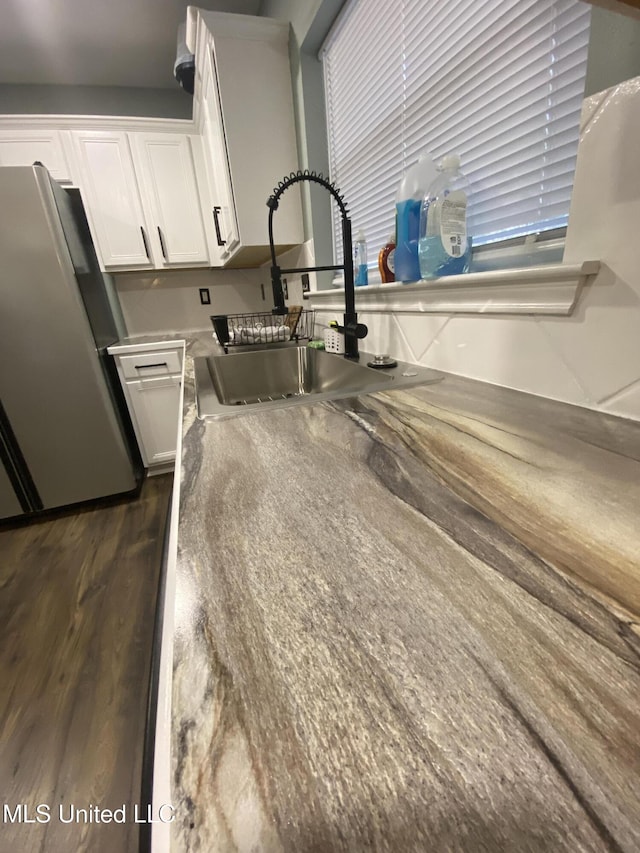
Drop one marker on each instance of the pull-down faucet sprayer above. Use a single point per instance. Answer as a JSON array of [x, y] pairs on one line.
[[352, 329]]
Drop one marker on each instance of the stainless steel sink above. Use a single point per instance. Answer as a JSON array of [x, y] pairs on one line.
[[237, 383]]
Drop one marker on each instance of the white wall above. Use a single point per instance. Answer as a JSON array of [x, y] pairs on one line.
[[170, 301], [614, 50], [22, 99], [591, 358]]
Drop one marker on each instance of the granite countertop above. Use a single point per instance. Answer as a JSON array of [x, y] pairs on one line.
[[150, 341], [408, 622]]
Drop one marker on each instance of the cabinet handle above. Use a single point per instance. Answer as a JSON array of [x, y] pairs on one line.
[[164, 251], [144, 240], [146, 366], [216, 212]]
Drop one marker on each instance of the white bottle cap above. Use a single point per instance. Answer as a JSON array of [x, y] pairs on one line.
[[360, 237], [450, 162]]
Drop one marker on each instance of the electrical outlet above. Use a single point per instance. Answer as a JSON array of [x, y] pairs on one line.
[[285, 289], [306, 287], [205, 297]]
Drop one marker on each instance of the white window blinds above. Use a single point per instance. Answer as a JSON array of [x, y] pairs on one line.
[[499, 82]]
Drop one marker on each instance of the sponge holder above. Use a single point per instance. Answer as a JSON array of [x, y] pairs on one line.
[[334, 341]]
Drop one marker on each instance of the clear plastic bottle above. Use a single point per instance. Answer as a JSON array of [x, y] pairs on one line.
[[386, 260], [361, 271], [444, 247], [413, 186]]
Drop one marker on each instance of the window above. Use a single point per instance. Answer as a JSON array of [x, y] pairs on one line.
[[500, 83]]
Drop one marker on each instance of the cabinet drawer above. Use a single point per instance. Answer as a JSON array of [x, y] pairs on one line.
[[147, 364]]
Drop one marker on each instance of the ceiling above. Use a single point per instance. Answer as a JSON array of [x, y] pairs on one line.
[[96, 42]]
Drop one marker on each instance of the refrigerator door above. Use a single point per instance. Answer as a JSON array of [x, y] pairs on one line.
[[52, 384], [18, 492], [89, 278], [9, 503]]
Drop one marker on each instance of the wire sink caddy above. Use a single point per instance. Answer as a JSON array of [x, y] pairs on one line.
[[263, 327]]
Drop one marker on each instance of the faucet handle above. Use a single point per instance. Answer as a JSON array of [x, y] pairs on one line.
[[358, 329]]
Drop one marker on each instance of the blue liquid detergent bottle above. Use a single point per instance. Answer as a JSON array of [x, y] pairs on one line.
[[415, 183], [444, 247]]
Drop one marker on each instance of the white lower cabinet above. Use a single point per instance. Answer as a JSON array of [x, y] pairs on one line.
[[155, 404], [153, 399]]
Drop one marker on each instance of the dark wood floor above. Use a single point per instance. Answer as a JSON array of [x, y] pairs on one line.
[[77, 606]]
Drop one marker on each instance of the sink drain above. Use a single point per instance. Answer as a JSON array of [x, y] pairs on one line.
[[382, 361]]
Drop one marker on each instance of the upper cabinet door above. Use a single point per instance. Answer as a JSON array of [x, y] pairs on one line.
[[243, 103], [112, 198], [24, 147], [223, 211], [165, 165]]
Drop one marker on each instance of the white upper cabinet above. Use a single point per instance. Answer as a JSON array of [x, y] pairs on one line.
[[220, 201], [166, 170], [112, 199], [164, 194], [25, 147], [142, 198], [243, 105]]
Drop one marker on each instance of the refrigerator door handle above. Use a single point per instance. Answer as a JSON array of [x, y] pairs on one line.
[[16, 467]]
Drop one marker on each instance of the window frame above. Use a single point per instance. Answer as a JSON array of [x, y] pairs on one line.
[[533, 248]]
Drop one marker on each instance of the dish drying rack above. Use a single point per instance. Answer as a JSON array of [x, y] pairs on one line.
[[263, 327]]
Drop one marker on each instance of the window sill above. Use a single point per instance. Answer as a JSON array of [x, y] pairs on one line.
[[552, 290]]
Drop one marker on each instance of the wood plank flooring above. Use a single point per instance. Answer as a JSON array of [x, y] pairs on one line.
[[77, 606]]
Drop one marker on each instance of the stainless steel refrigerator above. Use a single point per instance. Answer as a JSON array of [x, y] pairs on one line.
[[65, 433]]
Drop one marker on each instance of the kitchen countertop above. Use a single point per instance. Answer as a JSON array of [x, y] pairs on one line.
[[407, 622], [151, 342]]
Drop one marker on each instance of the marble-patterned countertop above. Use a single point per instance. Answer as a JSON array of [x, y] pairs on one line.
[[151, 341], [408, 622]]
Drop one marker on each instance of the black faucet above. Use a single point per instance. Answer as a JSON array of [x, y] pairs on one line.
[[352, 329]]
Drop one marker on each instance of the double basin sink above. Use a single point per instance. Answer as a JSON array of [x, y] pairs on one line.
[[243, 382]]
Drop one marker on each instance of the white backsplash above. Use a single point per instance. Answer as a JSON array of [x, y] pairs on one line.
[[591, 358], [170, 301]]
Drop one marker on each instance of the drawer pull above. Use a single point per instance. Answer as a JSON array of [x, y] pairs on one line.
[[146, 366]]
